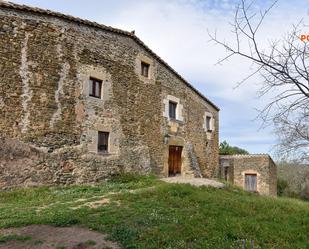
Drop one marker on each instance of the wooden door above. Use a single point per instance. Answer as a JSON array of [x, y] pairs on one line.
[[226, 173], [174, 160], [250, 182]]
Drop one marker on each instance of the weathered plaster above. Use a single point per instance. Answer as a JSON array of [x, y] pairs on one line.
[[26, 90]]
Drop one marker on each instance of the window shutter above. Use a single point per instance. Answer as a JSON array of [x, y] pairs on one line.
[[90, 87], [172, 110], [95, 87], [208, 123]]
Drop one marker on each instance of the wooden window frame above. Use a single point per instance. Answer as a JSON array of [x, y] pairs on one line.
[[172, 103], [94, 92], [105, 136], [145, 68]]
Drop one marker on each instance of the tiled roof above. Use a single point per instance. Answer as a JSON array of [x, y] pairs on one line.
[[9, 5]]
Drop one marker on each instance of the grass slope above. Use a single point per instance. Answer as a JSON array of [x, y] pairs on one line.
[[147, 213]]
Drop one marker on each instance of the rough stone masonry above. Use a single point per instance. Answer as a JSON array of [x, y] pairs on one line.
[[50, 124], [238, 169]]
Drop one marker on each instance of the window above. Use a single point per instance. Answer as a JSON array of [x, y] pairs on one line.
[[95, 87], [172, 109], [103, 141], [145, 69], [208, 123], [250, 182]]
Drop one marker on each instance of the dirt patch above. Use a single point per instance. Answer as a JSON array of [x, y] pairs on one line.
[[94, 204], [49, 237]]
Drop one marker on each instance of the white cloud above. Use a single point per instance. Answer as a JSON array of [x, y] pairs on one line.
[[177, 31]]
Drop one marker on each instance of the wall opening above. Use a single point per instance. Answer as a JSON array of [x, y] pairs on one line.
[[174, 160], [251, 182]]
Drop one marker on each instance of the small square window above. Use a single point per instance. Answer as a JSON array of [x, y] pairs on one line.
[[103, 138], [172, 110], [95, 88], [145, 69]]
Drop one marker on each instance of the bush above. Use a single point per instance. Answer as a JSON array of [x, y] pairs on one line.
[[226, 149], [132, 178], [304, 194], [282, 187]]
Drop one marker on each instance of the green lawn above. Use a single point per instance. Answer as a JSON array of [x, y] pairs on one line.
[[147, 213]]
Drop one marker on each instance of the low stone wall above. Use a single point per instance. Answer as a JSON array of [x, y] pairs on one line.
[[22, 165]]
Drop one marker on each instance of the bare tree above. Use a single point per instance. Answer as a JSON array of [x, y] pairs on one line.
[[284, 69]]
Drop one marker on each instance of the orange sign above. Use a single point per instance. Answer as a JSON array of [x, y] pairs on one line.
[[304, 37]]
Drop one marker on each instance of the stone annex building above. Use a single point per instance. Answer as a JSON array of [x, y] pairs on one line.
[[257, 173], [80, 101]]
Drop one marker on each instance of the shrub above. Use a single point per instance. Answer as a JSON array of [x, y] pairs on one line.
[[131, 177], [282, 186], [226, 149], [304, 194]]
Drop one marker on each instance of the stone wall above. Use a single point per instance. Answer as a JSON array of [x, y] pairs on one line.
[[46, 62], [261, 165]]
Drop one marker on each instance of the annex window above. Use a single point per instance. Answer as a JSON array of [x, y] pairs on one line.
[[250, 182], [208, 123], [145, 69], [95, 87], [103, 138], [172, 109]]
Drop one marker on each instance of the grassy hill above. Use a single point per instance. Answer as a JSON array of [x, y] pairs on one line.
[[147, 213]]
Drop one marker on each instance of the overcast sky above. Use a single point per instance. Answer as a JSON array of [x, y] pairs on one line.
[[177, 31]]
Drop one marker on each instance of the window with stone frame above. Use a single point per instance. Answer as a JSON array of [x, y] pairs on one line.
[[172, 109], [95, 88], [103, 142], [208, 123], [145, 69]]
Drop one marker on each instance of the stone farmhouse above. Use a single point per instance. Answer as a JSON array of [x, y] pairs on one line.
[[80, 101]]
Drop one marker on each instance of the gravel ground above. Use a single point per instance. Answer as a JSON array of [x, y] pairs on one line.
[[195, 181]]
